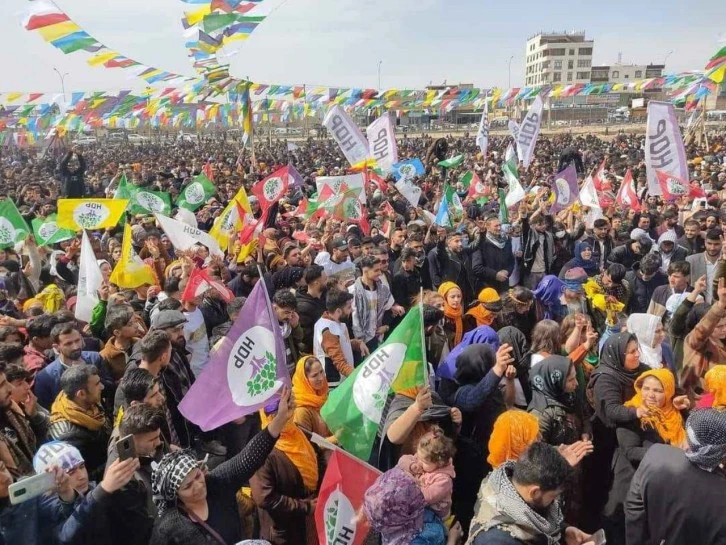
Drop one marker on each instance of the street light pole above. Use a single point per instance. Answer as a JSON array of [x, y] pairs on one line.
[[379, 75], [666, 58], [509, 72], [62, 80]]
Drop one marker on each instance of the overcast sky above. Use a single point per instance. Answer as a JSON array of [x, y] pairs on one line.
[[340, 42]]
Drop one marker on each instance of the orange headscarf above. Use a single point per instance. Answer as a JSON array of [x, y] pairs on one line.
[[305, 394], [667, 421], [514, 431], [482, 315], [297, 448], [715, 383], [453, 314]]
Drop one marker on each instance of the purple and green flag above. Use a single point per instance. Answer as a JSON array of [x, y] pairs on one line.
[[565, 189], [244, 372]]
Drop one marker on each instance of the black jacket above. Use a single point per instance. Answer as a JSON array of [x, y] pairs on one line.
[[74, 186], [214, 311], [487, 261], [624, 255], [405, 286], [693, 246], [641, 291], [446, 267], [530, 245], [309, 309]]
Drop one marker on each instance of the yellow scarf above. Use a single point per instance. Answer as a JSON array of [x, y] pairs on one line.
[[451, 313], [298, 449], [667, 421], [66, 409], [305, 394], [51, 297], [715, 383]]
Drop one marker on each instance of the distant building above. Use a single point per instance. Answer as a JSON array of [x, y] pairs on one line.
[[558, 58], [625, 73]]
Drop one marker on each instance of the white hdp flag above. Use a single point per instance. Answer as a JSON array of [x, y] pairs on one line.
[[382, 142], [347, 135], [89, 281], [513, 127], [515, 192], [529, 131], [482, 135], [410, 191], [588, 194], [184, 237], [664, 150]]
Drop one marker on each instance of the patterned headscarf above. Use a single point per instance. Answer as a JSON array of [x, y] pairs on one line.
[[706, 433], [548, 379], [168, 475], [394, 506]]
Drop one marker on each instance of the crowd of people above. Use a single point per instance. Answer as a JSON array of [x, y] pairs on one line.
[[577, 364]]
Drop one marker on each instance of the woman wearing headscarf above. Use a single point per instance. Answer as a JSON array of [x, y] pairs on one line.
[[453, 312], [548, 296], [480, 335], [655, 352], [561, 420], [310, 389], [285, 487], [514, 431], [660, 422], [714, 384], [475, 391], [195, 506], [583, 259], [484, 310]]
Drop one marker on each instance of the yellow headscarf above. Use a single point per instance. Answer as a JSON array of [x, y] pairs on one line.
[[297, 448], [715, 383], [305, 394], [51, 297], [482, 315], [667, 421], [453, 314], [514, 431]]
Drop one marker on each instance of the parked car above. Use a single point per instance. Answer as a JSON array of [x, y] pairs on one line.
[[85, 140]]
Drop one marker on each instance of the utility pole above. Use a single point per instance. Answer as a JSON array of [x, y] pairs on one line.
[[62, 80]]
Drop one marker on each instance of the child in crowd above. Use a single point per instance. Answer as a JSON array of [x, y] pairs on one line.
[[433, 470]]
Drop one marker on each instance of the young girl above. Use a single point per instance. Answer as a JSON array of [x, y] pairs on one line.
[[432, 468]]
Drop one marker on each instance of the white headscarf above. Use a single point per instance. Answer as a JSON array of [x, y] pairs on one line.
[[643, 326]]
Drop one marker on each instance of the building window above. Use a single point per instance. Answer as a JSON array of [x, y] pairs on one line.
[[638, 74], [558, 65], [570, 65], [616, 74], [583, 75], [557, 76], [557, 52], [585, 51], [569, 76], [626, 76], [572, 51], [583, 63]]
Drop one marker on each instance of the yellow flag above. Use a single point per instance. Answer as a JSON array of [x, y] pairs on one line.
[[131, 272], [241, 196], [248, 249], [91, 214], [227, 223]]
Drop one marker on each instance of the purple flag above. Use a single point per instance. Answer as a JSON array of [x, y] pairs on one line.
[[245, 372], [294, 176], [565, 189]]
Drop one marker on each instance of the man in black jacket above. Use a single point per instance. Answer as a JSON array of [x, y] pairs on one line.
[[601, 242], [692, 240], [632, 252], [493, 261], [643, 280], [72, 173], [311, 303], [449, 261], [406, 282]]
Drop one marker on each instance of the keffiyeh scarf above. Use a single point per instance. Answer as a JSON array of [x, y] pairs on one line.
[[168, 476]]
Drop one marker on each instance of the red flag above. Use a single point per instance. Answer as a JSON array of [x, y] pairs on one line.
[[207, 171], [273, 188], [388, 209], [340, 498], [362, 220], [477, 188], [599, 178], [378, 181], [199, 282], [672, 186], [627, 196]]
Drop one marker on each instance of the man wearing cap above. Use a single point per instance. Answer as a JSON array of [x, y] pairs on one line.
[[337, 261], [632, 252]]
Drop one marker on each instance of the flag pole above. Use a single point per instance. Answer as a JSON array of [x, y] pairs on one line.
[[324, 443], [423, 338]]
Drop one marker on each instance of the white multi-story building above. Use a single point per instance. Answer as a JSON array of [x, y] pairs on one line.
[[558, 58], [625, 73]]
